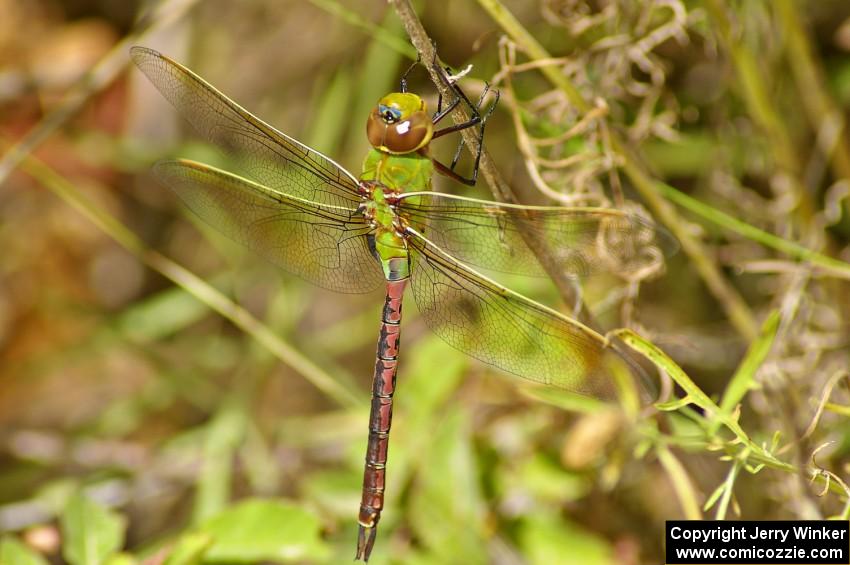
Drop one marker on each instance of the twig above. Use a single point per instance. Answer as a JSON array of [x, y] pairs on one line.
[[827, 392]]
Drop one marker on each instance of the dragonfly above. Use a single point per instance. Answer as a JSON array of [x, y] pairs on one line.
[[302, 211]]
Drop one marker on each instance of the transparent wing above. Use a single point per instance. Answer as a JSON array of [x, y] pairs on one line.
[[325, 245], [500, 327], [262, 153], [490, 235]]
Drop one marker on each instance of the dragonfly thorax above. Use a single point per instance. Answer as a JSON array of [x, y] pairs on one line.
[[387, 239], [399, 124], [378, 207]]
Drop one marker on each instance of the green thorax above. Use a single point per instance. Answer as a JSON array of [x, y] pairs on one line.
[[410, 172], [393, 174]]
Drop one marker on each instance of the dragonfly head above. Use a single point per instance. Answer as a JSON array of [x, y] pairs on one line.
[[399, 124]]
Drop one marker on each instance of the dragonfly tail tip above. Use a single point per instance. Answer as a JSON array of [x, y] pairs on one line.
[[365, 541]]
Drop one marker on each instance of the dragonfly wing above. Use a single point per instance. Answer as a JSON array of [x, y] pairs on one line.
[[325, 245], [503, 328], [491, 235], [264, 154]]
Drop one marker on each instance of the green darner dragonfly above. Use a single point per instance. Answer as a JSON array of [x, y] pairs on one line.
[[302, 211]]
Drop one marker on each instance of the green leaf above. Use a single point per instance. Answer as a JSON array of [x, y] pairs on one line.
[[729, 485], [447, 508], [161, 315], [327, 129], [13, 552], [565, 400], [548, 481], [692, 392], [189, 549], [263, 530], [335, 492], [714, 497], [224, 434], [91, 533], [547, 539], [122, 559], [744, 378]]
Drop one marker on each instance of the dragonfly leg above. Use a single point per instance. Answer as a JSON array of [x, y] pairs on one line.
[[457, 127], [449, 170], [478, 118], [446, 171], [403, 82], [483, 120], [460, 96], [443, 112], [380, 419]]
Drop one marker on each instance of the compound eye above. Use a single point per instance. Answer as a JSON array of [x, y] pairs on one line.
[[388, 132], [389, 114], [410, 134]]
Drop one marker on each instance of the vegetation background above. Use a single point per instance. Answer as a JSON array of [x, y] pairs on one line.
[[144, 418]]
